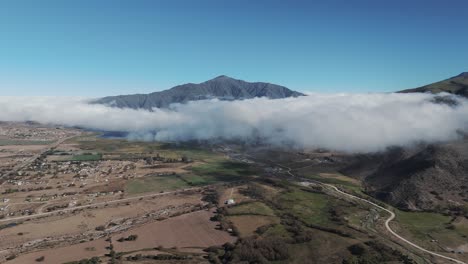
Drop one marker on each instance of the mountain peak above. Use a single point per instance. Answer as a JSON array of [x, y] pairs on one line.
[[222, 77], [463, 74], [221, 87]]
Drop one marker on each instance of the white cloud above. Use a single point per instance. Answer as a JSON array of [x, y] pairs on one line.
[[345, 122]]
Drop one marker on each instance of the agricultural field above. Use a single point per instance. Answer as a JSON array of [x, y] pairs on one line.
[[300, 223], [62, 200], [23, 142], [82, 197], [154, 184], [186, 234], [435, 230]]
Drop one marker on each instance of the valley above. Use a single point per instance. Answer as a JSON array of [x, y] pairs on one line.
[[78, 196], [233, 132]]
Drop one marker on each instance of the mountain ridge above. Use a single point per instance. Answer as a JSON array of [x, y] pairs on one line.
[[457, 85], [221, 87]]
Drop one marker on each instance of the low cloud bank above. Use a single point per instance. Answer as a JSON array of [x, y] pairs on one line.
[[343, 122]]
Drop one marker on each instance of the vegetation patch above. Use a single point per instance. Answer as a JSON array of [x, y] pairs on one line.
[[309, 207], [195, 180], [87, 157], [154, 184], [274, 231], [247, 224], [250, 250], [330, 178], [4, 142], [422, 223], [440, 229], [223, 170], [375, 252], [251, 208]]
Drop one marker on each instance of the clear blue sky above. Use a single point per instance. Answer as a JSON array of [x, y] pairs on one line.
[[107, 47]]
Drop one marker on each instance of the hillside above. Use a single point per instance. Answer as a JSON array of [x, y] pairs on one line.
[[428, 177], [221, 87], [456, 85]]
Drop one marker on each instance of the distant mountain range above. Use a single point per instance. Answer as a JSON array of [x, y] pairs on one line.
[[227, 88], [456, 85], [422, 177], [221, 87]]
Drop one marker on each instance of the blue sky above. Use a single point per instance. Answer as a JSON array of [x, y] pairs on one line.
[[108, 47]]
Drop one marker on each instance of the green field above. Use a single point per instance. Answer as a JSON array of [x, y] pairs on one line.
[[309, 207], [277, 231], [208, 167], [194, 180], [4, 142], [222, 170], [87, 157], [125, 149], [154, 184], [253, 208], [422, 222], [331, 178], [426, 226], [216, 170]]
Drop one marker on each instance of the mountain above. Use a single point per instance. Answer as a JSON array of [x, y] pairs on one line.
[[456, 85], [221, 87], [426, 177]]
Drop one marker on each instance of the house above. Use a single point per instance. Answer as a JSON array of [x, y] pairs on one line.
[[229, 202]]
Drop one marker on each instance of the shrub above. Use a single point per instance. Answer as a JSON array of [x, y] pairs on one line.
[[129, 238], [357, 249], [256, 251]]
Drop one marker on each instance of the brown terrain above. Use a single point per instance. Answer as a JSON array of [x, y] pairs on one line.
[[65, 192]]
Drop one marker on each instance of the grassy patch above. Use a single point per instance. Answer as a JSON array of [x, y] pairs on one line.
[[422, 223], [248, 224], [426, 227], [87, 157], [332, 178], [223, 170], [311, 208], [461, 226], [253, 208], [4, 142], [320, 247], [277, 231], [154, 184], [123, 149], [188, 149], [194, 180], [217, 170]]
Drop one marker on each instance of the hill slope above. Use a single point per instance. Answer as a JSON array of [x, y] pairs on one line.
[[421, 178], [456, 85], [221, 87]]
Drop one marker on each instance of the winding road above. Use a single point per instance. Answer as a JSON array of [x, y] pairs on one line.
[[387, 221], [288, 170]]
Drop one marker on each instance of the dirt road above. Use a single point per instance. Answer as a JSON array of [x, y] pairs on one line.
[[92, 205], [30, 160], [387, 221]]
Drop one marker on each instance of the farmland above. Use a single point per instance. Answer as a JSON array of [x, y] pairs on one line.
[[64, 198], [83, 197]]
